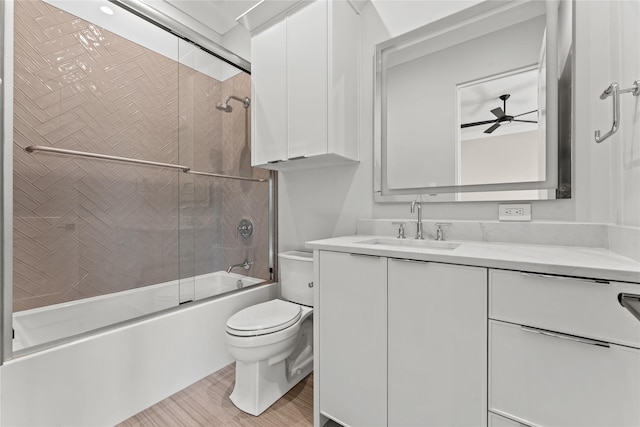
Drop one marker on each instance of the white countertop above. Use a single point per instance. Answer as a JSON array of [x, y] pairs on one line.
[[597, 263]]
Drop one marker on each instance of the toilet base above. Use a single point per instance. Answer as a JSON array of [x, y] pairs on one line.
[[259, 385]]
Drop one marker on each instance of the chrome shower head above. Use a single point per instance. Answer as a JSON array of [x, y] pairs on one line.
[[224, 106]]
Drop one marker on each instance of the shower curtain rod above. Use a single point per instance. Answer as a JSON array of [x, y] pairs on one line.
[[185, 169]]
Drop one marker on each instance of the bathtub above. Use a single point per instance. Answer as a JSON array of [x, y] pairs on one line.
[[103, 378], [55, 322]]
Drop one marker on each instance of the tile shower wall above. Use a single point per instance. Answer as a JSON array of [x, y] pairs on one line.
[[86, 227]]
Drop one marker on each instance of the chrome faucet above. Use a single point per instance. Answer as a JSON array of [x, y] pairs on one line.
[[246, 265], [419, 232]]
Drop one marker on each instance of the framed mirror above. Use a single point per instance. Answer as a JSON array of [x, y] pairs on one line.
[[477, 106]]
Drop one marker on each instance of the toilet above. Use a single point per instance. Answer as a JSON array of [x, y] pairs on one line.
[[272, 342]]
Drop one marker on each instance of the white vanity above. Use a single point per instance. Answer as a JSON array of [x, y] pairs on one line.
[[424, 333]]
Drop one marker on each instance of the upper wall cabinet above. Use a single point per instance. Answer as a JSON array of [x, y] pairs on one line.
[[305, 87]]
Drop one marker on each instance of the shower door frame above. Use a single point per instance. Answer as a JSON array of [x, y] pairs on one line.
[[6, 171], [6, 160]]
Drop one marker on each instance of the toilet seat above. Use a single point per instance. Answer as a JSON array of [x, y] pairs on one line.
[[264, 318]]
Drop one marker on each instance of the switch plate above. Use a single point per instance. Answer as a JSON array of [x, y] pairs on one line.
[[514, 212]]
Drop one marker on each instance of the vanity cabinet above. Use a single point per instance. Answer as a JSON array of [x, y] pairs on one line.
[[305, 87], [562, 351], [352, 316], [401, 343], [437, 350]]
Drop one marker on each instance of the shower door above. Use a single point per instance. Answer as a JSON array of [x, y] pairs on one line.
[[223, 221], [104, 239]]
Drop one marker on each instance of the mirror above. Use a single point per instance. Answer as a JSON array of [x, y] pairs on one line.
[[477, 106]]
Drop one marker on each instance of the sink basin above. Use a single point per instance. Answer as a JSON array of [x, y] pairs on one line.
[[427, 244]]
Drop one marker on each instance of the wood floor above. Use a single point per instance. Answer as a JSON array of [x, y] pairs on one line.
[[206, 403]]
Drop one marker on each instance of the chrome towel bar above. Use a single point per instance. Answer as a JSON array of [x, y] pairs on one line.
[[36, 148], [217, 175], [185, 169], [614, 91]]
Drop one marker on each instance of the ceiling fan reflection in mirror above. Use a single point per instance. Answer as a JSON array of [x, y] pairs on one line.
[[502, 118]]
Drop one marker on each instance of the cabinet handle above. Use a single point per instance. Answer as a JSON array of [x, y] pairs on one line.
[[564, 278], [276, 161], [565, 336], [409, 260], [365, 255], [631, 302], [297, 157]]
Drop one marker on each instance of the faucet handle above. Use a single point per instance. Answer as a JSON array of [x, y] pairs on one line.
[[400, 229], [439, 231]]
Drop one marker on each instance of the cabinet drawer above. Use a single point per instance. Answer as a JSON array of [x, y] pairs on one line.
[[554, 381], [574, 306]]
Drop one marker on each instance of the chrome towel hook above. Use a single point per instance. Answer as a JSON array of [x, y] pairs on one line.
[[614, 91]]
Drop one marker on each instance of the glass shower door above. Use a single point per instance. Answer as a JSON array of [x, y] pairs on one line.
[[91, 234], [224, 221]]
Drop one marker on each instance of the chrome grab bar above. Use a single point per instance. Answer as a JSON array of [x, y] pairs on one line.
[[565, 336], [614, 91], [185, 169]]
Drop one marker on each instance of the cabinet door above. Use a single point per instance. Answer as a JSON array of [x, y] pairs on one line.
[[437, 344], [269, 94], [548, 379], [352, 313], [307, 79]]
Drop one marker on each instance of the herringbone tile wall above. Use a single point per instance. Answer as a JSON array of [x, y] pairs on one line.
[[87, 227]]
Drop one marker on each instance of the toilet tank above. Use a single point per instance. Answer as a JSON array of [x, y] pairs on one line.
[[296, 276]]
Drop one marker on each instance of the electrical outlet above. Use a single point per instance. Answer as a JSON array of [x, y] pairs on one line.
[[513, 212]]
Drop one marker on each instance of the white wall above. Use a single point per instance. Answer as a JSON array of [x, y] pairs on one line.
[[327, 202], [624, 63]]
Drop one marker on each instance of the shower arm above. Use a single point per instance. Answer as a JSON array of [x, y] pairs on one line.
[[245, 101]]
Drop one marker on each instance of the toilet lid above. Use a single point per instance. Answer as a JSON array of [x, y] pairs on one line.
[[264, 318]]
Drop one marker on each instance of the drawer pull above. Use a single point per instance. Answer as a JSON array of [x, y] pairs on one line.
[[364, 255], [632, 303], [565, 336], [564, 278], [410, 260]]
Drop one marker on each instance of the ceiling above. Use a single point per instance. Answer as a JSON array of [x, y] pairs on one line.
[[479, 98], [219, 15]]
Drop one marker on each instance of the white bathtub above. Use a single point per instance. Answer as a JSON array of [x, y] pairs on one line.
[[46, 324], [106, 377]]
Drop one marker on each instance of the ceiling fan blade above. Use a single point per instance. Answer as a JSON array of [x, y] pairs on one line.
[[526, 121], [492, 128], [486, 122], [498, 112], [528, 112]]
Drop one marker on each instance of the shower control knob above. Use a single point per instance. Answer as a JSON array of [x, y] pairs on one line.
[[244, 229]]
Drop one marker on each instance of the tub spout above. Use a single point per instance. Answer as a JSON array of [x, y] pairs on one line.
[[246, 265]]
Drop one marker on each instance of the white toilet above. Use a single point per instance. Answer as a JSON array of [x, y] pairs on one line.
[[272, 342]]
